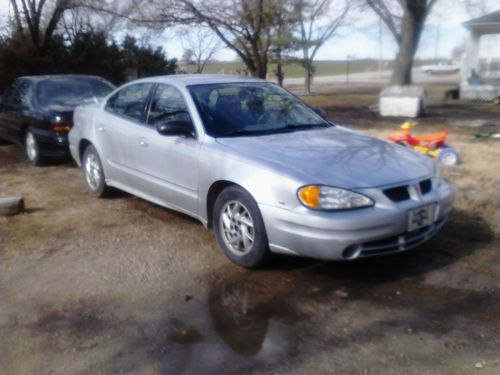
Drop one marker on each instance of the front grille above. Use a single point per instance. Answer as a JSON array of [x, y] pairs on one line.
[[425, 186], [401, 193], [397, 194]]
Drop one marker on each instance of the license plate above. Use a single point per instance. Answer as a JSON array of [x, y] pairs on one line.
[[421, 217]]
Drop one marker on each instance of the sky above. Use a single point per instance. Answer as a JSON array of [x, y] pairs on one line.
[[360, 39]]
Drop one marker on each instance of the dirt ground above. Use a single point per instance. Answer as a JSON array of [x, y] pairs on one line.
[[120, 285]]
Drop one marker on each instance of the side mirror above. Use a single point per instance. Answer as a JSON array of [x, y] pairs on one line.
[[321, 112], [176, 127]]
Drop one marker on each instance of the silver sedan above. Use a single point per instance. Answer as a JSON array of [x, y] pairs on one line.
[[266, 171]]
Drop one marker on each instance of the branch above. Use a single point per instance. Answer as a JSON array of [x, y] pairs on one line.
[[383, 12]]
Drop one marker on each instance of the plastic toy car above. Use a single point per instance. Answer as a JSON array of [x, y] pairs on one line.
[[429, 144]]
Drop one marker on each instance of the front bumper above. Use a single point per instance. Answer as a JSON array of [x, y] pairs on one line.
[[346, 235]]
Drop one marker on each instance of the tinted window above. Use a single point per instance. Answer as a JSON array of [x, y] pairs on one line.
[[252, 108], [130, 101], [19, 94], [167, 104], [70, 91]]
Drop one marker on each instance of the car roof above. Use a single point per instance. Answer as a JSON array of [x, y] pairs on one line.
[[38, 78], [199, 79]]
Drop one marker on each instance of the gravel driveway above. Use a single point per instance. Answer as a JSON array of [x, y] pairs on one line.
[[120, 285]]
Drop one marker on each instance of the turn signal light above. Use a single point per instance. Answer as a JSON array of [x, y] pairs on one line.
[[309, 195]]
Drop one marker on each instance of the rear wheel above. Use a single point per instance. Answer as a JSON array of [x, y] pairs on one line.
[[93, 173], [32, 148], [239, 228]]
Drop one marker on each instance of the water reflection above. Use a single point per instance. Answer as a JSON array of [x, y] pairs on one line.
[[246, 322], [238, 318]]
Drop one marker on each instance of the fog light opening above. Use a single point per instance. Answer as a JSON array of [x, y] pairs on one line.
[[351, 252]]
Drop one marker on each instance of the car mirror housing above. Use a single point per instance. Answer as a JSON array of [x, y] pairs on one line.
[[176, 127]]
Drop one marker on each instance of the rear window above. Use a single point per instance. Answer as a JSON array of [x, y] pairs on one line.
[[70, 91]]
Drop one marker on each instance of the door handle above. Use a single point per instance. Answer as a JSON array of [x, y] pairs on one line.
[[102, 129], [143, 143]]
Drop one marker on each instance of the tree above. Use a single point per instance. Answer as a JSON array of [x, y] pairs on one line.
[[144, 60], [318, 22], [405, 19], [243, 26], [36, 21], [200, 45], [283, 39]]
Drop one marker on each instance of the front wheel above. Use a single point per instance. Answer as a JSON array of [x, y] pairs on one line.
[[239, 228], [93, 173]]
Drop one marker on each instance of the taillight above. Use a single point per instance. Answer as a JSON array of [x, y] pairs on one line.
[[59, 125]]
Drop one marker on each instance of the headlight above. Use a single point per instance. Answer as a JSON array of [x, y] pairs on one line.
[[331, 198]]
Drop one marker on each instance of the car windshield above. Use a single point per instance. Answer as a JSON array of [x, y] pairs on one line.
[[252, 108], [71, 91]]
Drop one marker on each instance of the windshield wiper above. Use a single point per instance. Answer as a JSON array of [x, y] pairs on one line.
[[304, 126], [287, 128], [236, 132]]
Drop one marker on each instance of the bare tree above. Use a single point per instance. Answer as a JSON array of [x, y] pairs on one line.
[[244, 26], [284, 42], [201, 44], [80, 19], [36, 20], [405, 19], [318, 22]]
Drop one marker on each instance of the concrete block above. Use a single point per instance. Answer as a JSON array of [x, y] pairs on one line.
[[11, 206], [402, 101]]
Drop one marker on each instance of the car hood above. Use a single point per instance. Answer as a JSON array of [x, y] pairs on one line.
[[334, 156]]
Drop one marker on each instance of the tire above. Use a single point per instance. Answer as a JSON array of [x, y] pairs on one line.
[[93, 173], [32, 149], [239, 228], [449, 156]]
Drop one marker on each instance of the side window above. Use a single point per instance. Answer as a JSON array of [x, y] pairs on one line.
[[167, 104], [130, 101]]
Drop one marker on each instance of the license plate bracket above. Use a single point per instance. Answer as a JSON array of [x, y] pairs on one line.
[[421, 217]]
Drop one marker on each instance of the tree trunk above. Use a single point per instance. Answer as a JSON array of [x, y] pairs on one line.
[[411, 29], [280, 75], [308, 67], [259, 68]]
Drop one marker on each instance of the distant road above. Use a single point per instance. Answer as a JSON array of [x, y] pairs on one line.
[[375, 78]]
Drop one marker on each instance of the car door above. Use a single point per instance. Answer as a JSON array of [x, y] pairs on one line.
[[168, 164], [15, 111], [116, 132]]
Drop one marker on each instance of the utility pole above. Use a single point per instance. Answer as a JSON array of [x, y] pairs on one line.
[[436, 47], [380, 48]]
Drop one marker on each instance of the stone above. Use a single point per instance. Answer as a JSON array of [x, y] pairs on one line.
[[11, 205], [402, 101]]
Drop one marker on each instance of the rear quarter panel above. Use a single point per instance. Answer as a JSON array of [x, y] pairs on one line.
[[83, 128]]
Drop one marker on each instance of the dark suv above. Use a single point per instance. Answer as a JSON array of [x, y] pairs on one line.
[[36, 112]]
